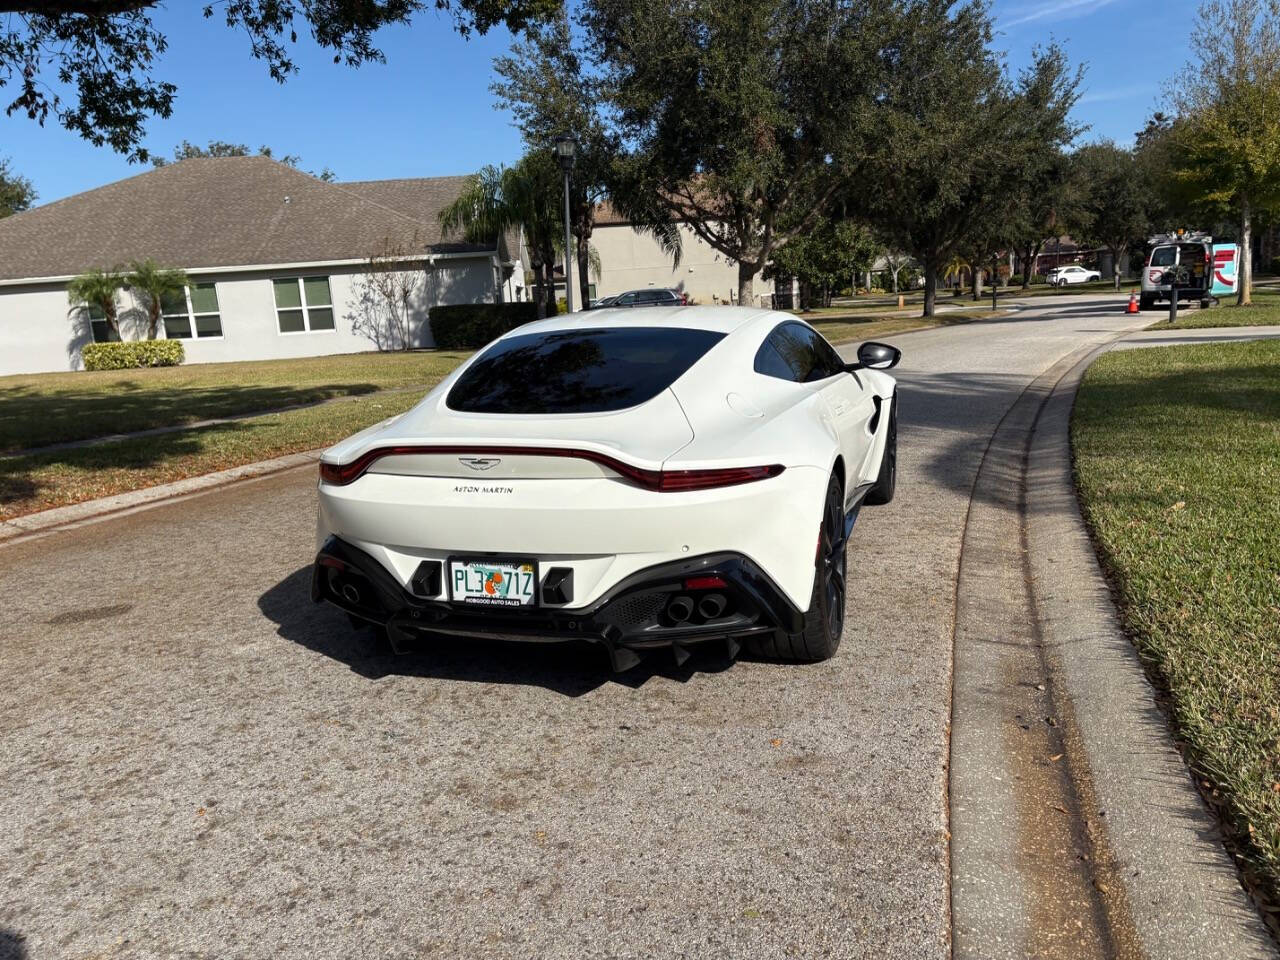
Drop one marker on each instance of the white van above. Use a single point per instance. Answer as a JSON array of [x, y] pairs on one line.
[[1204, 269]]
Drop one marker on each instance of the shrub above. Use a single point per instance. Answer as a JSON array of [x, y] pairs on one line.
[[466, 326], [1038, 278], [128, 354], [1015, 280], [1275, 266]]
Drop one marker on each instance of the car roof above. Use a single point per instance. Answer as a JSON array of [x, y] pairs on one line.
[[720, 319]]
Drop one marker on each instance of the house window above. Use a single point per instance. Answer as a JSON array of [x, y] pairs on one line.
[[195, 308], [102, 332], [303, 304]]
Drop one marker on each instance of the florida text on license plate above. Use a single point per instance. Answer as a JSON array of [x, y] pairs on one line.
[[497, 583]]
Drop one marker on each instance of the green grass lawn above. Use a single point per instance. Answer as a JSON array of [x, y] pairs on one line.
[[40, 409], [1177, 455], [1264, 311], [48, 408], [42, 481]]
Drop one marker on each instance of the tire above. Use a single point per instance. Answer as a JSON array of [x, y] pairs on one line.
[[887, 478], [1146, 302], [819, 637], [1205, 304]]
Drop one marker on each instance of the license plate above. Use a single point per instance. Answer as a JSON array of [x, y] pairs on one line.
[[493, 583]]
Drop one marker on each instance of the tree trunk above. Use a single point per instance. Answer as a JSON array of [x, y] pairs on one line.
[[977, 284], [584, 263], [930, 286], [1245, 294], [153, 319], [549, 268], [539, 293], [746, 286], [1115, 267]]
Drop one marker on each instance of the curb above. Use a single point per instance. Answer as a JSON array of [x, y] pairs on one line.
[[1183, 891], [91, 511]]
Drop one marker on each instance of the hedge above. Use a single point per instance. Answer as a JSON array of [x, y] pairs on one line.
[[466, 326], [127, 354]]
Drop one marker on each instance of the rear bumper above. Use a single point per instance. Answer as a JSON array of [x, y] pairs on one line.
[[633, 615]]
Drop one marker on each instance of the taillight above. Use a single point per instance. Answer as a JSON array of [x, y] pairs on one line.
[[705, 583], [669, 481], [678, 480]]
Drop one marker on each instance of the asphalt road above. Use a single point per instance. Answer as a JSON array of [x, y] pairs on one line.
[[198, 762]]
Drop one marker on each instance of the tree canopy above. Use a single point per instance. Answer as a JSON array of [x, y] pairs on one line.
[[186, 150], [1227, 138], [92, 64], [1115, 208], [739, 116], [16, 192], [973, 164], [547, 83]]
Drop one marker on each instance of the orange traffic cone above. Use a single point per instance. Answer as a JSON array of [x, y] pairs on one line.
[[1133, 304]]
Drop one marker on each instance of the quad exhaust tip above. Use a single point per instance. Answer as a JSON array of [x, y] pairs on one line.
[[680, 609], [712, 606]]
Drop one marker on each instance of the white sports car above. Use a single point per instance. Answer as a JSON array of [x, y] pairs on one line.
[[635, 478]]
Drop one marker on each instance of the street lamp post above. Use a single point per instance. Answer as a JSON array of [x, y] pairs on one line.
[[565, 149]]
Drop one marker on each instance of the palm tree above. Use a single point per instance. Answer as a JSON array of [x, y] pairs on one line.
[[526, 197], [155, 283], [958, 268], [97, 288]]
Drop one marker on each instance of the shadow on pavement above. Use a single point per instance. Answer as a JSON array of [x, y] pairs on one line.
[[12, 945], [569, 668]]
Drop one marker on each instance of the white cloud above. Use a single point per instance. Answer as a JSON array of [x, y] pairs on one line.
[[1054, 8]]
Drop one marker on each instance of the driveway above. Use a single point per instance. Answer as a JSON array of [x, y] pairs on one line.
[[198, 762]]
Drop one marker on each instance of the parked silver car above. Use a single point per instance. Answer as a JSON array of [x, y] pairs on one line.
[[651, 297]]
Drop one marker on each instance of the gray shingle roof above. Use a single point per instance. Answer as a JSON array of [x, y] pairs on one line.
[[221, 212]]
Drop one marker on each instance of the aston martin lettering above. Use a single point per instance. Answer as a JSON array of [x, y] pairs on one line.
[[482, 488]]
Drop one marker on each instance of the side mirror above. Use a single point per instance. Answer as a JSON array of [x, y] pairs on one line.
[[877, 356]]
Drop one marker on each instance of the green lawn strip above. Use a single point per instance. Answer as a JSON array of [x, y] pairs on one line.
[[41, 409], [1264, 311], [42, 481], [851, 329], [1177, 453]]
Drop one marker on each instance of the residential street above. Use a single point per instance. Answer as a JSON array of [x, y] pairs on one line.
[[198, 762]]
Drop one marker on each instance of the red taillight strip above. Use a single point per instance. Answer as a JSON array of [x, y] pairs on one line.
[[340, 474]]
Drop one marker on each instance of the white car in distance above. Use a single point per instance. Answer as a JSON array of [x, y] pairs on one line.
[[1073, 273], [611, 476]]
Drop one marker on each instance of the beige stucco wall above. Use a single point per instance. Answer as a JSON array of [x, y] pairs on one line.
[[40, 332], [633, 261]]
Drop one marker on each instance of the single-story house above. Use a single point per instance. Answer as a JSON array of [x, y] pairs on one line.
[[280, 263], [634, 260]]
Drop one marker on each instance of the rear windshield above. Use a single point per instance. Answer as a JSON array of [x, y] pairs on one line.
[[578, 371], [1163, 256]]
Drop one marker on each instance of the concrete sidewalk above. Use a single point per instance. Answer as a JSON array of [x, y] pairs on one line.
[[1168, 338]]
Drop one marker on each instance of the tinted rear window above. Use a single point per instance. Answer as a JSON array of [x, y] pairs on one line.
[[1163, 256], [578, 371]]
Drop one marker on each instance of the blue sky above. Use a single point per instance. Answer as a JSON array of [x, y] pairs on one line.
[[428, 111]]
